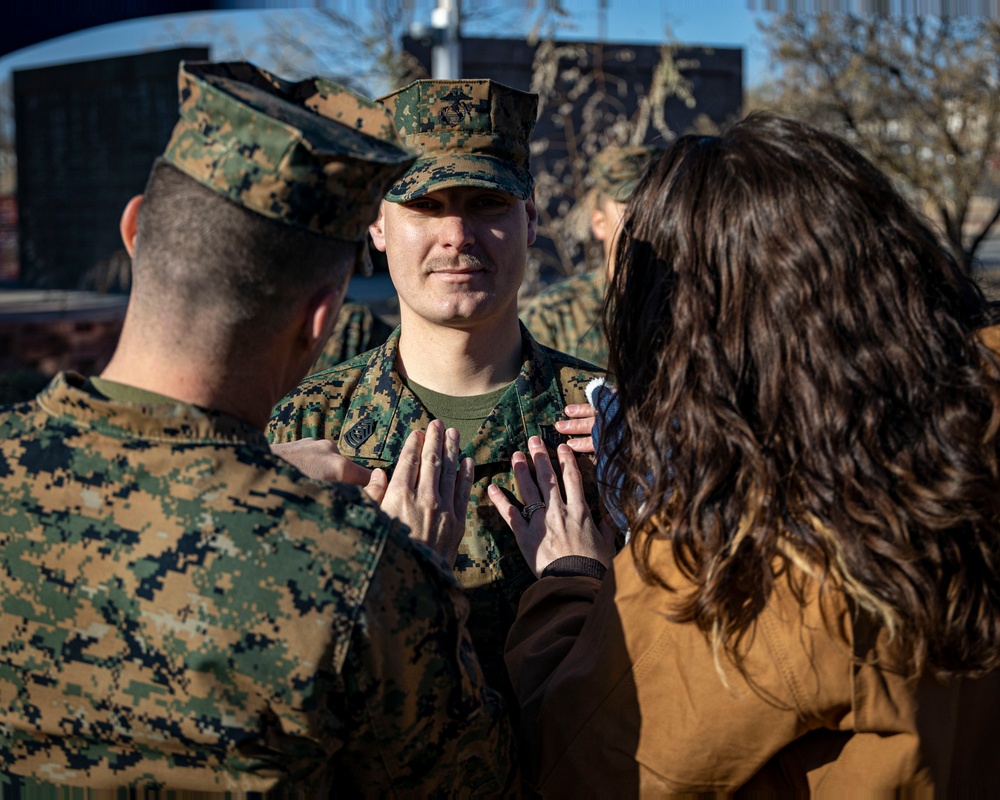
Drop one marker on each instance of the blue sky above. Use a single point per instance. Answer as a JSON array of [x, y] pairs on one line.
[[704, 22]]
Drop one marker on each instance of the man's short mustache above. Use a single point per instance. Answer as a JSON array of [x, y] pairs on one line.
[[463, 261]]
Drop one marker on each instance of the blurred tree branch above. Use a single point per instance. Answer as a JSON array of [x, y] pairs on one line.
[[919, 95], [587, 100]]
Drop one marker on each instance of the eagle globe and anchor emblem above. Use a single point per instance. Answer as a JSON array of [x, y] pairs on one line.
[[459, 109]]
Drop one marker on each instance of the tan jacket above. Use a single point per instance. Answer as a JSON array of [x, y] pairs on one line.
[[619, 701]]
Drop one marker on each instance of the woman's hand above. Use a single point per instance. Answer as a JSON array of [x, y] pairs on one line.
[[429, 490], [564, 527]]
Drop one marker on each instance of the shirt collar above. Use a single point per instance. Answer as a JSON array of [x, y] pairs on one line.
[[67, 398], [383, 411]]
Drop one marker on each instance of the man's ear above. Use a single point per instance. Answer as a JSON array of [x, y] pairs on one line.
[[599, 224], [377, 229], [129, 223], [532, 211], [321, 316]]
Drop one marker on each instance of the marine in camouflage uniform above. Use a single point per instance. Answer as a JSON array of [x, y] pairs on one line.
[[567, 315], [471, 134], [358, 330], [182, 610]]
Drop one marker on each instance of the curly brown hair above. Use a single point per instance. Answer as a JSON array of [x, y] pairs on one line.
[[801, 383]]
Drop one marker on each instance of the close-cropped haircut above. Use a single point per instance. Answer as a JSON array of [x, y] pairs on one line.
[[203, 253], [803, 393]]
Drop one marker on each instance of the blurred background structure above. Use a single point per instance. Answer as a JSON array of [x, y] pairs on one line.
[[915, 85]]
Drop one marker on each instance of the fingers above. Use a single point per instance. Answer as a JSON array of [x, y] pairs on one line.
[[377, 485], [527, 539], [347, 471], [580, 411], [431, 456], [449, 466], [582, 418], [576, 427], [510, 513], [548, 483], [407, 469], [526, 486], [572, 479], [319, 459], [584, 445], [463, 491]]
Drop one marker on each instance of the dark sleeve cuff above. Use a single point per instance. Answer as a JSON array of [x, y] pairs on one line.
[[575, 567]]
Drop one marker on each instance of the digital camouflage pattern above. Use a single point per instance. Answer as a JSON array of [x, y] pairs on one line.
[[567, 316], [311, 154], [468, 133], [182, 610], [616, 170], [366, 409], [357, 330]]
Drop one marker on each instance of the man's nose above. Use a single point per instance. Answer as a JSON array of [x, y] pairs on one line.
[[456, 231]]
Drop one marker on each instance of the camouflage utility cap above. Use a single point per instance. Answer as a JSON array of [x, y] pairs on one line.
[[616, 170], [468, 133], [311, 154]]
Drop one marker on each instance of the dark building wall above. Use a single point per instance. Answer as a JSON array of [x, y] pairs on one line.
[[716, 73], [87, 134]]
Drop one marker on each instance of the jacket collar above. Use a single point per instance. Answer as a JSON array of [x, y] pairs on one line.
[[68, 399], [377, 430]]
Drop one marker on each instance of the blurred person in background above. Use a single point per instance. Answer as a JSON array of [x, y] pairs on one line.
[[358, 329], [567, 315]]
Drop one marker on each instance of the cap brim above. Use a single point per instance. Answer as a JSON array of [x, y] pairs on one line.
[[445, 170]]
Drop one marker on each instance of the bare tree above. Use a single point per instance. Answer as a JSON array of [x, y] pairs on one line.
[[358, 43], [364, 54], [919, 95]]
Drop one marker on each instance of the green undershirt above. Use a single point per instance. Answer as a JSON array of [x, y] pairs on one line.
[[465, 413], [123, 393]]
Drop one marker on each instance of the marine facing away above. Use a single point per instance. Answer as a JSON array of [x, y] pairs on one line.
[[181, 609]]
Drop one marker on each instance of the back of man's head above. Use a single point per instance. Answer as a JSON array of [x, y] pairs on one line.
[[263, 196], [199, 255]]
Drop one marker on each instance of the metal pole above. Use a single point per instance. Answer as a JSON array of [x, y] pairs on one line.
[[446, 55]]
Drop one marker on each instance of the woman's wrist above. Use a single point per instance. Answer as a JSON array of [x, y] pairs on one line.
[[575, 567]]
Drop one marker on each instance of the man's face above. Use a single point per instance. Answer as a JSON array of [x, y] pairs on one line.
[[457, 255]]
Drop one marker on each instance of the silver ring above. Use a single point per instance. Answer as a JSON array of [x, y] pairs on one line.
[[527, 511]]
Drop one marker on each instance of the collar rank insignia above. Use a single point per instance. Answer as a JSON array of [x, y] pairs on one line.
[[360, 433], [551, 436]]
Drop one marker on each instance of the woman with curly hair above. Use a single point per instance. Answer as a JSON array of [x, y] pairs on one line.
[[807, 450]]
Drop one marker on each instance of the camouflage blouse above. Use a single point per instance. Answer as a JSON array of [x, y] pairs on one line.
[[358, 330], [365, 408], [182, 610], [567, 316]]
